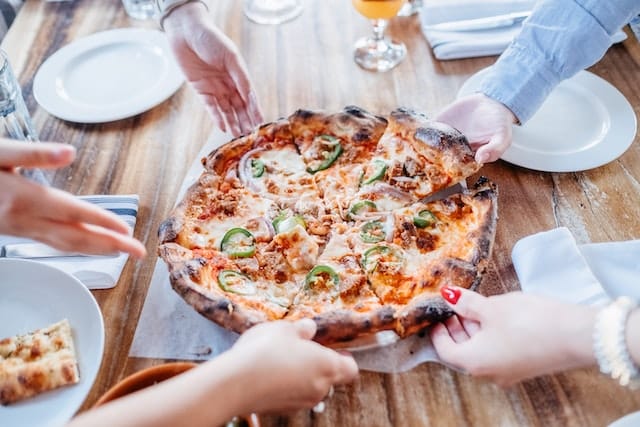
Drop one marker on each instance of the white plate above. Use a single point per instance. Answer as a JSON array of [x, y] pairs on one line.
[[630, 420], [108, 76], [584, 123], [32, 296]]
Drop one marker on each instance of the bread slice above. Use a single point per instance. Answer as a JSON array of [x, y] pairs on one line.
[[36, 362]]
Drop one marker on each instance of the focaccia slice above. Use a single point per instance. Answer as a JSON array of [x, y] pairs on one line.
[[36, 362]]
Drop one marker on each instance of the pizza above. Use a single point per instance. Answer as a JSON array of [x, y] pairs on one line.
[[333, 216], [36, 362]]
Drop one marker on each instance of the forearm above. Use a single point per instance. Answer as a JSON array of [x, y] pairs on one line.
[[208, 395], [558, 40], [183, 16]]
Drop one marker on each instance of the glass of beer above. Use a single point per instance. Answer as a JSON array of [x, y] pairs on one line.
[[378, 52]]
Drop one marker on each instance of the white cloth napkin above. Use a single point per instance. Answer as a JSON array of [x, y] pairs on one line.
[[94, 271], [552, 264], [469, 44]]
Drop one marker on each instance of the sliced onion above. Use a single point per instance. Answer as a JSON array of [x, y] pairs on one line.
[[390, 190], [403, 179], [263, 227], [244, 170]]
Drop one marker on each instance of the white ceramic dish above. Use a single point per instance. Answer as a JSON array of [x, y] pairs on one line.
[[584, 123], [108, 76], [32, 296], [630, 420]]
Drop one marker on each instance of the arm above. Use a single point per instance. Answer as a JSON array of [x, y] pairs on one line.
[[273, 367], [559, 39], [65, 222], [213, 66]]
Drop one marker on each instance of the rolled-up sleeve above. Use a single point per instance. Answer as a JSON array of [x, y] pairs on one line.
[[560, 38]]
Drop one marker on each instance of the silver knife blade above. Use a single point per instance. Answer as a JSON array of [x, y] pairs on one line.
[[477, 24], [40, 250]]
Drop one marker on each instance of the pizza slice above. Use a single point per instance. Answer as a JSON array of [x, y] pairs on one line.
[[36, 362], [335, 147], [419, 156], [336, 295], [444, 242]]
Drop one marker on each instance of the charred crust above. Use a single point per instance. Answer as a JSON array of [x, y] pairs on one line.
[[343, 325], [169, 230]]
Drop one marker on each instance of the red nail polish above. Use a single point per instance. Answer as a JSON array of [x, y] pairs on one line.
[[450, 294]]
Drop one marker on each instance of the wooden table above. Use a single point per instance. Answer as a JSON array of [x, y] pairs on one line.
[[308, 63]]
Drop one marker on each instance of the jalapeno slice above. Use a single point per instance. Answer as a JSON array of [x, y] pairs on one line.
[[379, 254], [424, 219], [257, 168], [379, 168], [282, 224], [372, 232], [362, 206], [330, 150], [236, 282], [238, 243], [319, 274]]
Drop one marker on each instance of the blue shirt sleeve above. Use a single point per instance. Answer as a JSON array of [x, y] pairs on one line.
[[560, 38]]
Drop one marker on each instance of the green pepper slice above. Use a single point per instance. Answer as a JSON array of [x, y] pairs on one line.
[[379, 169], [331, 150], [238, 243], [372, 232], [377, 254], [257, 168], [236, 282], [424, 219], [281, 223], [321, 273], [362, 206]]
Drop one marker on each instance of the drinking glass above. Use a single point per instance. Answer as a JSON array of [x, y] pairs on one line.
[[141, 9], [410, 8], [14, 115], [272, 11], [378, 52]]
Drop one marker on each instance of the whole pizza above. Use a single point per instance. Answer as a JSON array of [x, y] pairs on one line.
[[332, 216]]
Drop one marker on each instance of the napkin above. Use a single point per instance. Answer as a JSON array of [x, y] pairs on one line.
[[96, 272], [552, 264], [469, 44]]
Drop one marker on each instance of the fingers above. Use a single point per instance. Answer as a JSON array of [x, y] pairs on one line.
[[85, 239], [35, 155], [457, 332], [347, 369], [498, 144], [464, 303], [306, 328], [446, 347]]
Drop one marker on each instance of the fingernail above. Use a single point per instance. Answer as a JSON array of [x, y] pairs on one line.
[[450, 294]]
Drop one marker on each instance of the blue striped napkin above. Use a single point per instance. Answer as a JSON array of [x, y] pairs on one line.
[[94, 271]]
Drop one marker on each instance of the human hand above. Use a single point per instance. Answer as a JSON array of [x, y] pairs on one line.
[[515, 336], [53, 216], [486, 123], [286, 369], [214, 67]]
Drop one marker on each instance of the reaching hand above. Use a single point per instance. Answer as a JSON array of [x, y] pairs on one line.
[[212, 64], [515, 336], [486, 123], [53, 216], [288, 370]]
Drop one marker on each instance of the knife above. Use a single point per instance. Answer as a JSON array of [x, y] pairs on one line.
[[477, 24], [40, 250]]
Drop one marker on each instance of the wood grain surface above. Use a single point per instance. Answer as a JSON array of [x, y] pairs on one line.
[[307, 63]]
